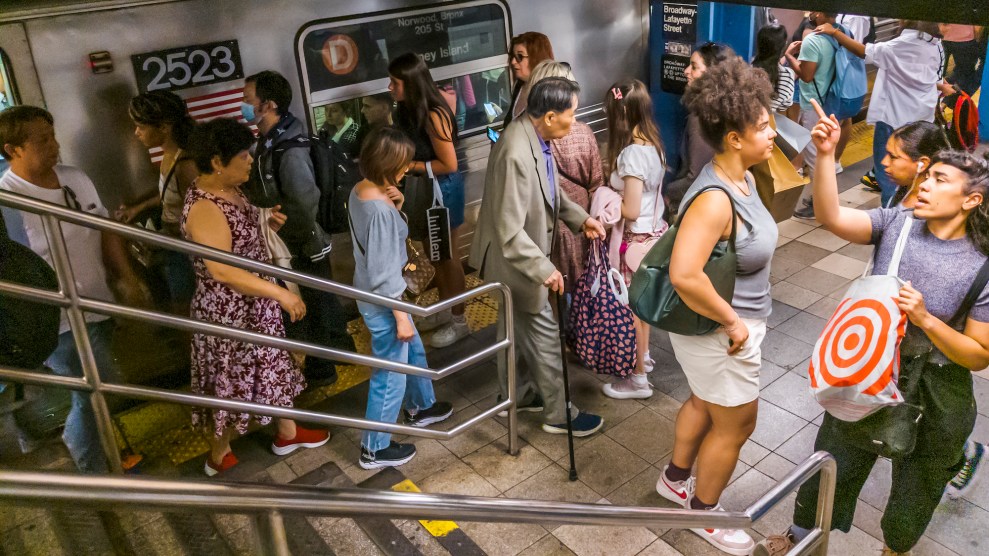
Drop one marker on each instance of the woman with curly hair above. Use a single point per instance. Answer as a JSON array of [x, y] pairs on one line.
[[731, 102]]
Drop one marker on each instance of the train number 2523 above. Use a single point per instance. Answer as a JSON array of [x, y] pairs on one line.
[[188, 66]]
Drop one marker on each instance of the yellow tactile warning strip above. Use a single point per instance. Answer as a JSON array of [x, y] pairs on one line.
[[164, 430], [435, 528], [859, 145]]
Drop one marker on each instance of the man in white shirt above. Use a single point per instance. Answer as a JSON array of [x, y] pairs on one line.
[[27, 142], [906, 86]]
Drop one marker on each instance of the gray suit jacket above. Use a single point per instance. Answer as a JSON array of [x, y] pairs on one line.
[[517, 222]]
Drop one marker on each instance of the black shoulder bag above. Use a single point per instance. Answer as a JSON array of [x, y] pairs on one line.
[[891, 432]]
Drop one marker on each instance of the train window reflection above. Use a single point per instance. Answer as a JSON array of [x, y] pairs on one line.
[[477, 100], [7, 94]]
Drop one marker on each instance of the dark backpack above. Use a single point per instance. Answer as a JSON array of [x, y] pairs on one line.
[[336, 175], [28, 329]]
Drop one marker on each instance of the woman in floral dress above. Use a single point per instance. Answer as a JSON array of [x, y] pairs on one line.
[[218, 215]]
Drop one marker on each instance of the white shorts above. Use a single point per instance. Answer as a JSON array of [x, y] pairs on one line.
[[719, 378]]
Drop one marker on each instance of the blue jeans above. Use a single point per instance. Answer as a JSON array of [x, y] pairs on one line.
[[390, 391], [81, 436], [880, 137]]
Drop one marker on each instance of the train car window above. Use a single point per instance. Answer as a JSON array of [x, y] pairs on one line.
[[343, 63], [8, 93]]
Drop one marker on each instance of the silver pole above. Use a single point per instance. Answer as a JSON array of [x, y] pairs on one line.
[[513, 416], [274, 540], [77, 322], [825, 502]]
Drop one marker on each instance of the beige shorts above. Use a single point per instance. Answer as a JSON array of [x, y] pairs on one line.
[[719, 378]]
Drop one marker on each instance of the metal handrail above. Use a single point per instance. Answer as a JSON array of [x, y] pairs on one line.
[[68, 298], [111, 492]]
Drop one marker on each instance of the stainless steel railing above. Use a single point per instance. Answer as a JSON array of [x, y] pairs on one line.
[[68, 297], [110, 492]]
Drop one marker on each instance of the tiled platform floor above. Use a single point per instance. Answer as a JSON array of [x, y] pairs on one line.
[[621, 465]]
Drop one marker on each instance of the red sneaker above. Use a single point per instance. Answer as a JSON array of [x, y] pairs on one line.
[[304, 438], [229, 460]]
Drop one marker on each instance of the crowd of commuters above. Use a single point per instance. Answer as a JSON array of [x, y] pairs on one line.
[[533, 233]]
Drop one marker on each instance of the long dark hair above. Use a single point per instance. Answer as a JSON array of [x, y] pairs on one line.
[[158, 108], [713, 53], [976, 168], [628, 105], [421, 97], [918, 140], [770, 44]]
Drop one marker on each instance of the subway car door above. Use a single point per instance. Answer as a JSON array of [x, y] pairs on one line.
[[18, 78]]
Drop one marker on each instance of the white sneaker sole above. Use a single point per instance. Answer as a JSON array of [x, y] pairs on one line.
[[431, 420], [666, 492], [609, 390], [378, 464], [726, 549], [286, 450], [440, 343], [210, 472]]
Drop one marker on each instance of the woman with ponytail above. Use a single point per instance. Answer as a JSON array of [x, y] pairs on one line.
[[161, 120]]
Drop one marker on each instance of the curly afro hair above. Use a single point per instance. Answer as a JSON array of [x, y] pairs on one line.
[[730, 96]]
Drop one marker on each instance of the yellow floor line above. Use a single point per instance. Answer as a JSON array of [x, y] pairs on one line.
[[165, 430], [435, 528], [859, 145]]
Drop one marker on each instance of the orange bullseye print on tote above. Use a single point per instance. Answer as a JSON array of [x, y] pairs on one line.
[[855, 364]]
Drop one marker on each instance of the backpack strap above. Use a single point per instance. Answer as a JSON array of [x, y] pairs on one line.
[[353, 233], [297, 142], [978, 285]]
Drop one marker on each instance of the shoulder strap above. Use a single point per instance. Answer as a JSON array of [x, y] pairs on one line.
[[353, 233], [734, 211], [978, 285], [901, 244], [566, 175], [168, 176]]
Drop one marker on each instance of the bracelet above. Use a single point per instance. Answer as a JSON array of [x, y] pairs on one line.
[[730, 329]]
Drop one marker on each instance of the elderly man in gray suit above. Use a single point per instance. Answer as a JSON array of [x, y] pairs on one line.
[[522, 204]]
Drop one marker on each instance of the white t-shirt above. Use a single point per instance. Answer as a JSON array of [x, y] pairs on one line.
[[857, 25], [643, 162], [905, 90], [83, 244]]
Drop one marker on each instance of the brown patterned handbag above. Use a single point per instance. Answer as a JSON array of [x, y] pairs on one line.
[[418, 272]]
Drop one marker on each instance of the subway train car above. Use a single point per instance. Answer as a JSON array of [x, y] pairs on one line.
[[83, 61]]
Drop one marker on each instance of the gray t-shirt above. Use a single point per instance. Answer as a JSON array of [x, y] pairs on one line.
[[379, 233], [755, 243], [942, 271]]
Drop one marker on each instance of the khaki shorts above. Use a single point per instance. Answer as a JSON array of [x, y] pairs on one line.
[[719, 378]]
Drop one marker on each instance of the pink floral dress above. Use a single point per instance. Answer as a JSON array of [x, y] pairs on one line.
[[233, 369]]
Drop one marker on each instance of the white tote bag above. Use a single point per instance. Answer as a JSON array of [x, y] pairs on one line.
[[856, 361]]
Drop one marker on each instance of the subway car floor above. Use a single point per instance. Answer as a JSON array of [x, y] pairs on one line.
[[618, 466]]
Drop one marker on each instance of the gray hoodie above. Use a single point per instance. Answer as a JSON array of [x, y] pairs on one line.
[[294, 188]]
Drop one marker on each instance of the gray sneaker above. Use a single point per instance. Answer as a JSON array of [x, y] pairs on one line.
[[449, 334]]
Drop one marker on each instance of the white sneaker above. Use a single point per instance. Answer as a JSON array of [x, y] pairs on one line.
[[678, 492], [432, 322], [449, 334], [731, 541], [627, 389], [649, 362], [838, 168]]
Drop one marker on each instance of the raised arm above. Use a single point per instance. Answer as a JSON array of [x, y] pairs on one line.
[[850, 224], [844, 40]]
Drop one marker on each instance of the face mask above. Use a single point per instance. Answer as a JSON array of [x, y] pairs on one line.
[[247, 111]]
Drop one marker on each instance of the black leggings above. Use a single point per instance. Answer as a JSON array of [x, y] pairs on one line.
[[918, 479]]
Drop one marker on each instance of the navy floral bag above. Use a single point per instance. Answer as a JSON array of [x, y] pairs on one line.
[[601, 328]]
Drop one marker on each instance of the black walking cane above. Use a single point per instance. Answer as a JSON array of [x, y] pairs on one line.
[[562, 312]]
